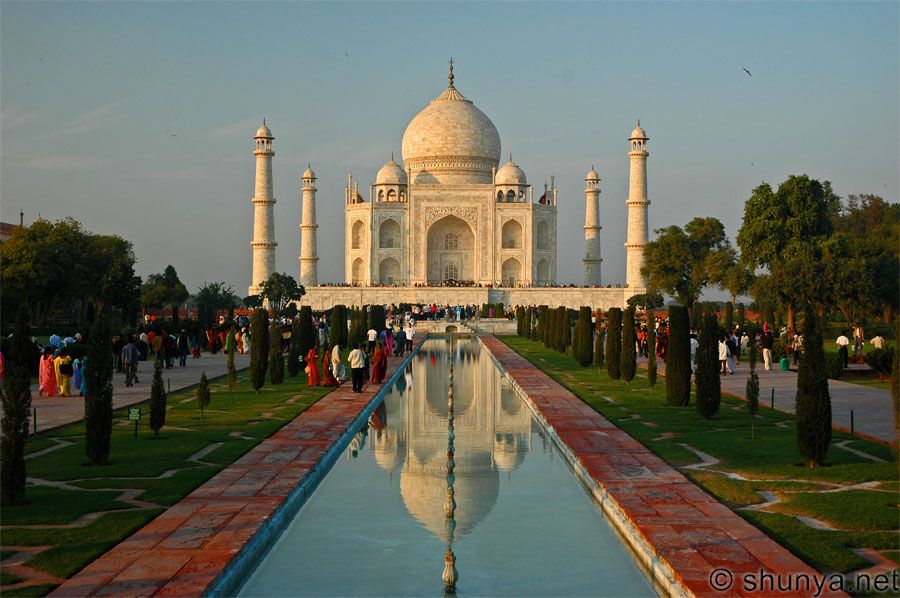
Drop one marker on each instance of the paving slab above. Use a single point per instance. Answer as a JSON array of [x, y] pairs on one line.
[[670, 522]]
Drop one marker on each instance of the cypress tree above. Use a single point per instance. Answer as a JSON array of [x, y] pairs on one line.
[[541, 325], [599, 349], [294, 352], [769, 316], [678, 362], [338, 326], [741, 316], [520, 321], [276, 354], [651, 353], [564, 329], [16, 412], [696, 315], [813, 401], [357, 326], [232, 373], [628, 365], [98, 398], [614, 343], [729, 317], [548, 329], [895, 384], [752, 389], [583, 343], [203, 394], [157, 400], [709, 385], [529, 324], [307, 334], [259, 348]]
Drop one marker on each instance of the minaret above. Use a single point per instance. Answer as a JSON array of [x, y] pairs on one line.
[[637, 203], [309, 257], [592, 228], [263, 243]]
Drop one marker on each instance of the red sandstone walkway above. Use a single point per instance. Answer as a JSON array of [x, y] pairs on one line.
[[181, 552], [688, 530]]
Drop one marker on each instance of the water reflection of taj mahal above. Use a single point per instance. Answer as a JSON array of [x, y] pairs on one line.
[[492, 435]]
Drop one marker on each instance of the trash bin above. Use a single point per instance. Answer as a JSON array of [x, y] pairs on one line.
[[785, 364]]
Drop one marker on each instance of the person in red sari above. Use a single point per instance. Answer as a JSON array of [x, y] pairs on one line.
[[313, 378], [379, 364], [47, 375], [328, 378]]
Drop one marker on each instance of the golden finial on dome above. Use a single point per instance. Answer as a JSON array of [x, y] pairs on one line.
[[450, 76]]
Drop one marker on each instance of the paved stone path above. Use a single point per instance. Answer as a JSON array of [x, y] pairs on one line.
[[53, 412], [675, 527], [872, 409], [183, 551]]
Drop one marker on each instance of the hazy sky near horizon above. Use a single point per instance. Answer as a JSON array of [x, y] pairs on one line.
[[137, 118]]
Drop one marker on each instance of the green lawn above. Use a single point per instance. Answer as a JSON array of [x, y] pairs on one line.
[[157, 471], [866, 517]]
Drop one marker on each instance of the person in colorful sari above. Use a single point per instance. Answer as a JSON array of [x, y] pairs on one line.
[[82, 390], [47, 374], [328, 378], [312, 366], [379, 364], [336, 365], [64, 371], [210, 339]]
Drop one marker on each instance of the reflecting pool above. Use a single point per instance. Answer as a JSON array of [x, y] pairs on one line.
[[507, 506]]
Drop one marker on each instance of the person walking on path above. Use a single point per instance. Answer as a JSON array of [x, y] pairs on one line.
[[64, 372], [409, 331], [372, 335], [183, 348], [766, 342], [842, 343], [130, 359], [357, 367], [379, 364], [400, 342], [723, 355], [77, 374], [859, 340], [312, 368], [336, 365], [797, 346], [47, 374]]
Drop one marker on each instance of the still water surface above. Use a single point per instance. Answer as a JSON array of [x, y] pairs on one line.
[[376, 525]]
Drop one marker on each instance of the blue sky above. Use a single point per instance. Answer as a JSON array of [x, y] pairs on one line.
[[92, 94]]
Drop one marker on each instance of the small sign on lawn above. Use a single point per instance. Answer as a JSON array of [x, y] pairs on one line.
[[134, 413]]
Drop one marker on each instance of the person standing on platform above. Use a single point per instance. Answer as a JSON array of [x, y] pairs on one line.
[[357, 367], [379, 364], [312, 368]]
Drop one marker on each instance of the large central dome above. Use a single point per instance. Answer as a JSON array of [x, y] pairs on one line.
[[451, 141]]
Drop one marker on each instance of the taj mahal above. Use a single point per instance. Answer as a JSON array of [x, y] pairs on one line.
[[449, 224]]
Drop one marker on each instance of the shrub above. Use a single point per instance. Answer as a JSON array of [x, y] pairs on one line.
[[709, 385], [276, 354], [203, 394], [583, 343], [882, 361], [752, 389], [338, 322], [16, 411], [548, 328], [741, 316], [157, 400], [834, 368], [307, 334], [678, 363], [629, 363], [520, 321], [358, 324], [564, 329], [541, 327], [259, 348], [98, 398], [614, 343], [813, 401]]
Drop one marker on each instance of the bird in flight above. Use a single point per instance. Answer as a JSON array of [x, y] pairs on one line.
[[748, 73]]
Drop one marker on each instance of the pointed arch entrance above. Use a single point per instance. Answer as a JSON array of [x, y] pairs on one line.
[[451, 250]]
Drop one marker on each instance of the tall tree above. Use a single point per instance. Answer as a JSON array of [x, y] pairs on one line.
[[678, 363], [752, 388], [614, 343], [729, 316], [203, 394], [294, 352], [231, 345], [280, 290], [629, 358], [157, 400], [651, 353], [783, 231], [813, 400], [98, 406], [307, 334], [276, 353], [259, 348], [164, 289], [681, 262], [16, 402], [599, 348], [338, 324], [709, 385], [213, 296], [564, 329]]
